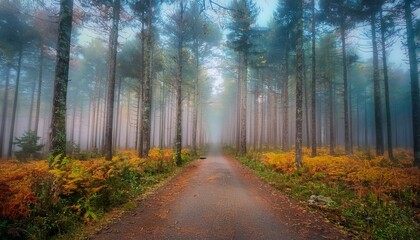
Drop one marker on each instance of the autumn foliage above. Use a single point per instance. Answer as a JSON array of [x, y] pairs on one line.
[[364, 176], [82, 188]]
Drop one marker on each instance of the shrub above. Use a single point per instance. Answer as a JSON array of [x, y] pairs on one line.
[[30, 149]]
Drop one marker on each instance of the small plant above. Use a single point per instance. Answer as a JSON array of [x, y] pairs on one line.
[[30, 149]]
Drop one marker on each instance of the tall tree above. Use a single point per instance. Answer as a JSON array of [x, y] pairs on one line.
[[243, 15], [372, 7], [386, 25], [285, 17], [313, 92], [112, 61], [58, 121], [414, 79], [299, 84], [341, 14]]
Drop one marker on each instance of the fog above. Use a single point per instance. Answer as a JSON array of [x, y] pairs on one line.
[[235, 82]]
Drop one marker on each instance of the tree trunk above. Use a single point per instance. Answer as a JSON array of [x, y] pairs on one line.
[[178, 141], [414, 79], [345, 95], [387, 102], [15, 104], [313, 95], [147, 83], [377, 91], [244, 93], [4, 110], [112, 62], [299, 83], [58, 120], [38, 99], [285, 95]]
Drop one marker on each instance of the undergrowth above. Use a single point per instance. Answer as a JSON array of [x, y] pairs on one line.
[[49, 198], [372, 199]]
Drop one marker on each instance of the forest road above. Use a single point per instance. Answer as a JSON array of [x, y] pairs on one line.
[[218, 198]]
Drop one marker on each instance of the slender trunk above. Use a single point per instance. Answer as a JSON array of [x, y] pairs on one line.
[[387, 102], [4, 110], [313, 95], [31, 108], [147, 83], [345, 95], [377, 91], [15, 104], [331, 116], [38, 99], [112, 63], [195, 107], [58, 120], [244, 93], [178, 141], [414, 80], [285, 135], [299, 84], [238, 104], [117, 139]]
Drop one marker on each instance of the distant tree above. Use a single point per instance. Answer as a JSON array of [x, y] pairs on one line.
[[342, 14], [58, 121], [371, 9], [30, 149], [414, 77], [286, 18], [15, 34], [243, 15]]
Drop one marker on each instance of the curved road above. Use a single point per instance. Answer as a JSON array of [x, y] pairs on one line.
[[218, 198]]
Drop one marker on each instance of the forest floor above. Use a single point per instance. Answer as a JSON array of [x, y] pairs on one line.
[[218, 198]]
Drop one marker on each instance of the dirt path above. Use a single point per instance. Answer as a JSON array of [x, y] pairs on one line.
[[217, 198]]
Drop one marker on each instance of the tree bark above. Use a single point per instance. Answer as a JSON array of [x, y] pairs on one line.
[[299, 83], [285, 95], [4, 110], [112, 62], [346, 94], [414, 80], [38, 100], [387, 101], [244, 93], [147, 83], [15, 104], [58, 120], [377, 90], [178, 141], [313, 92]]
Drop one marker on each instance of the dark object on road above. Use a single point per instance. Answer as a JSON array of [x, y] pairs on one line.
[[203, 157]]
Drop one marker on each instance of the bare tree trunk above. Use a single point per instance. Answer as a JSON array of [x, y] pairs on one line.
[[387, 102], [4, 110], [178, 141], [112, 63], [285, 95], [58, 120], [313, 89], [346, 94], [38, 99], [299, 83], [244, 93], [414, 80], [147, 83], [15, 104], [377, 91]]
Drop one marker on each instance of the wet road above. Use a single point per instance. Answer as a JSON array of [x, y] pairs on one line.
[[218, 198]]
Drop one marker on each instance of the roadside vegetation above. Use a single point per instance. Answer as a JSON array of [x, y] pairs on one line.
[[53, 198], [370, 197]]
